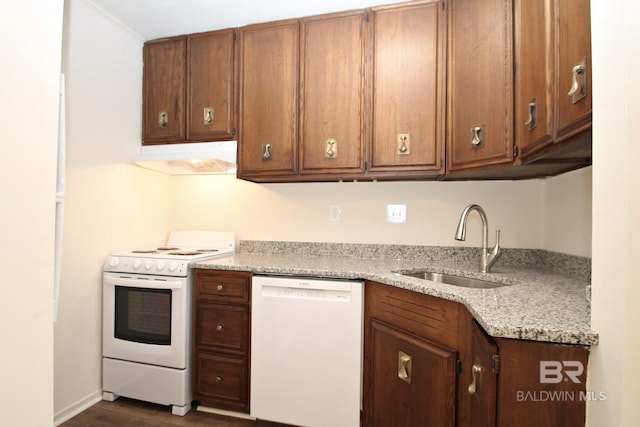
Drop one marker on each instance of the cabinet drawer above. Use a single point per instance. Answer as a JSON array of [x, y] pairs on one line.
[[222, 381], [232, 286], [222, 327], [423, 315]]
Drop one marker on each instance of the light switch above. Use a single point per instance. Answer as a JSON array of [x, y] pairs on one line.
[[397, 214]]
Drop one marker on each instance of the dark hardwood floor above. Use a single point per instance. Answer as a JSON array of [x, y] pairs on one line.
[[128, 412]]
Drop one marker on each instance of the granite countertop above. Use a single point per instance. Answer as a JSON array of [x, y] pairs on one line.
[[546, 296]]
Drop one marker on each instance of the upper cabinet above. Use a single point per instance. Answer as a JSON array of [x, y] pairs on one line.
[[535, 72], [189, 88], [211, 113], [427, 89], [480, 99], [332, 96], [573, 68], [269, 59], [408, 75], [164, 88], [553, 94]]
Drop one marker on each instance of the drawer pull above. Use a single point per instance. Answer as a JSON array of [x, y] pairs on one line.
[[220, 327], [220, 288], [218, 379]]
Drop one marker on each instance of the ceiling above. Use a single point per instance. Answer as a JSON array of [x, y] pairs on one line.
[[153, 19]]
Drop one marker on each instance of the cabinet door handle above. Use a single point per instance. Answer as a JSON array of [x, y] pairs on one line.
[[163, 119], [208, 115], [267, 151], [532, 122], [477, 136], [578, 88], [404, 367], [332, 148], [476, 377]]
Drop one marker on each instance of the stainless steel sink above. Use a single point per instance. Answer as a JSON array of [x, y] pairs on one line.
[[451, 279]]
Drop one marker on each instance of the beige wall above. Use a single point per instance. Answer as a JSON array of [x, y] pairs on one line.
[[110, 203], [616, 209], [300, 212], [30, 58]]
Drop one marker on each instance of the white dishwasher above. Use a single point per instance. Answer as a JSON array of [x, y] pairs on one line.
[[306, 351]]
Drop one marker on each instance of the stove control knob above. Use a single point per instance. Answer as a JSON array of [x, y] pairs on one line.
[[173, 265], [114, 262], [160, 265], [148, 265], [137, 264]]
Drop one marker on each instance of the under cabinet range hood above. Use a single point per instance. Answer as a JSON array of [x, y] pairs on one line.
[[190, 158]]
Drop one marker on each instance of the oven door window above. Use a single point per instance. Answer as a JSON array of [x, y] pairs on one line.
[[143, 315]]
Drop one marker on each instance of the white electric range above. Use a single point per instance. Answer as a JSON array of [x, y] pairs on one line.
[[147, 298]]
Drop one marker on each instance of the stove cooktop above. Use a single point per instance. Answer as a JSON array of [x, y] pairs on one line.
[[174, 258]]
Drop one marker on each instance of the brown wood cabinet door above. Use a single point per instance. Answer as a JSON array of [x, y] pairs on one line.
[[164, 90], [480, 98], [222, 327], [268, 140], [221, 381], [211, 112], [413, 381], [573, 65], [534, 37], [482, 379], [408, 88], [542, 384], [332, 94]]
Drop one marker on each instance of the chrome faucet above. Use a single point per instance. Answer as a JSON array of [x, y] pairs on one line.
[[487, 259]]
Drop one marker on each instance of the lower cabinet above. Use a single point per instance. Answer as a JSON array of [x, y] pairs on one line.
[[413, 383], [222, 321], [427, 362]]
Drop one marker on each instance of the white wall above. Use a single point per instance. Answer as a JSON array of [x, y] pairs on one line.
[[616, 209], [30, 40], [110, 203]]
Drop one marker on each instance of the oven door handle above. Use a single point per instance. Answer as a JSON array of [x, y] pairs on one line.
[[143, 283]]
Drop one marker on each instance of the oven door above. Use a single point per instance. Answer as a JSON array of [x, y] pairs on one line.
[[146, 319]]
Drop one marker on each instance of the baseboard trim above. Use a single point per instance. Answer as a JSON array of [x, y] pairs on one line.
[[225, 412], [74, 409]]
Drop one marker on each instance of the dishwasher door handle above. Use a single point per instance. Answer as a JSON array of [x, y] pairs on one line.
[[306, 293]]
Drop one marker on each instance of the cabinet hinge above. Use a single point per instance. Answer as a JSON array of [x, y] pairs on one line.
[[235, 35], [234, 131], [458, 366], [515, 151], [443, 5], [495, 363]]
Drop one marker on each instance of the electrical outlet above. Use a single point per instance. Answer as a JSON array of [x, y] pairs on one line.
[[335, 213], [397, 214]]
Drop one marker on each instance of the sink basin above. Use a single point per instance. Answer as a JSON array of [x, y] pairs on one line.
[[451, 279]]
